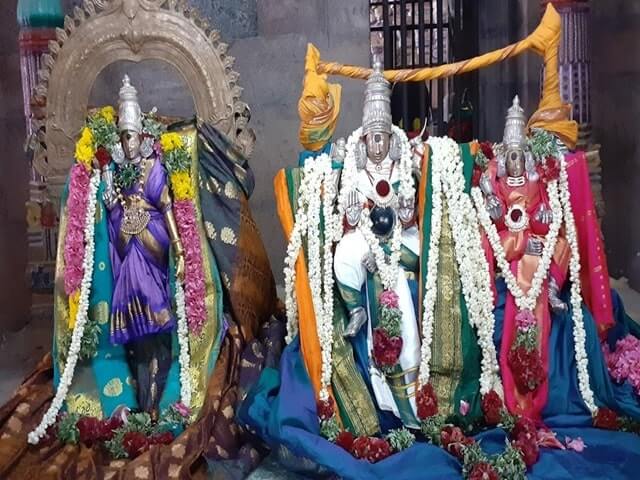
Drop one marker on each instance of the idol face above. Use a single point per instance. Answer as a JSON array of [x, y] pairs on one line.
[[130, 144], [515, 163], [377, 146]]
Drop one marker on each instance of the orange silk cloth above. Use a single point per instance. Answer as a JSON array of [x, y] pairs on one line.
[[309, 342]]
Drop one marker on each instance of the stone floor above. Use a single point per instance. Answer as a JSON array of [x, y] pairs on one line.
[[20, 352]]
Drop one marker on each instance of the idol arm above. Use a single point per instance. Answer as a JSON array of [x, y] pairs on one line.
[[172, 228]]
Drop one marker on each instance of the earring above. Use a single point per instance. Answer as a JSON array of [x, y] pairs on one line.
[[146, 147], [117, 153], [395, 148], [361, 155]]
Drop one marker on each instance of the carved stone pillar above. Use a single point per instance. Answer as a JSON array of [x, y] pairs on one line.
[[575, 81]]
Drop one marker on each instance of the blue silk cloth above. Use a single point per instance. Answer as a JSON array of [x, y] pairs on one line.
[[281, 409]]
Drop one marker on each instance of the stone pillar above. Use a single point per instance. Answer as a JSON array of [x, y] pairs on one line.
[[14, 295], [575, 81]]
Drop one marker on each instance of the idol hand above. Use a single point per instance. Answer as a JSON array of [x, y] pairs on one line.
[[357, 318], [534, 247], [369, 262], [406, 209], [180, 267], [557, 305], [544, 216], [354, 208], [494, 207]]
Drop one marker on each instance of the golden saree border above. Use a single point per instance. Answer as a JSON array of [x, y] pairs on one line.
[[348, 385], [446, 353], [200, 345]]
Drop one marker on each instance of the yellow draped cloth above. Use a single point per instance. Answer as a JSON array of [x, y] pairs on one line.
[[319, 107]]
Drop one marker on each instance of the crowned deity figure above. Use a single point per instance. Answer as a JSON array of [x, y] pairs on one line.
[[376, 260], [520, 190], [152, 305], [142, 230]]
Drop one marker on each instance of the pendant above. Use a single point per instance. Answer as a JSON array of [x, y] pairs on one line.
[[516, 219], [134, 220]]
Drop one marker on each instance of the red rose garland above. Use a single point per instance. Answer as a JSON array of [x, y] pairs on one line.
[[524, 358], [606, 419], [492, 408], [387, 342], [483, 471], [426, 402]]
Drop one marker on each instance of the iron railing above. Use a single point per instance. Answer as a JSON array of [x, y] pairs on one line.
[[421, 33]]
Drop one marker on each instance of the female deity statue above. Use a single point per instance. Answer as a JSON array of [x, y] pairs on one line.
[[519, 193], [142, 228], [156, 313], [376, 260]]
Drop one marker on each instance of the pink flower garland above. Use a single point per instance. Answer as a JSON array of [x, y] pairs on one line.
[[185, 213], [623, 362], [74, 239]]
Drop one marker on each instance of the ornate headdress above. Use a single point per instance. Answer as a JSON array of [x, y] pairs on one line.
[[376, 114], [129, 112], [515, 127]]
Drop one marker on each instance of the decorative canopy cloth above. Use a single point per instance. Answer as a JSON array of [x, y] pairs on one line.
[[552, 115]]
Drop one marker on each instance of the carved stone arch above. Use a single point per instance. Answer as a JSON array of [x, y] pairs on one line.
[[106, 31]]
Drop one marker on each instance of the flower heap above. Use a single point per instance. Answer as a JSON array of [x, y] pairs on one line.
[[624, 360], [522, 449], [124, 435], [317, 195], [387, 341], [371, 449], [448, 185]]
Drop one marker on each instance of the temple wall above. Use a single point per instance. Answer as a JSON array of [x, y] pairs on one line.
[[501, 23], [14, 177], [268, 39], [616, 106]]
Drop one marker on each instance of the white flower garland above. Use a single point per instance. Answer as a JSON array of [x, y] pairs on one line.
[[560, 200], [579, 335], [388, 266], [431, 280], [447, 180], [49, 417], [473, 267], [317, 187], [528, 301], [183, 342]]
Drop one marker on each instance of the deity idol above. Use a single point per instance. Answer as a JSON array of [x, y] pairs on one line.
[[156, 313], [142, 228], [519, 204], [376, 261]]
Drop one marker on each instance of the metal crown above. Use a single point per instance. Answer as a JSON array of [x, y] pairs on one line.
[[515, 127], [129, 111], [376, 113]]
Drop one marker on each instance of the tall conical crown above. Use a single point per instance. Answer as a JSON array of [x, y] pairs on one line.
[[129, 112], [515, 127], [376, 114]]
